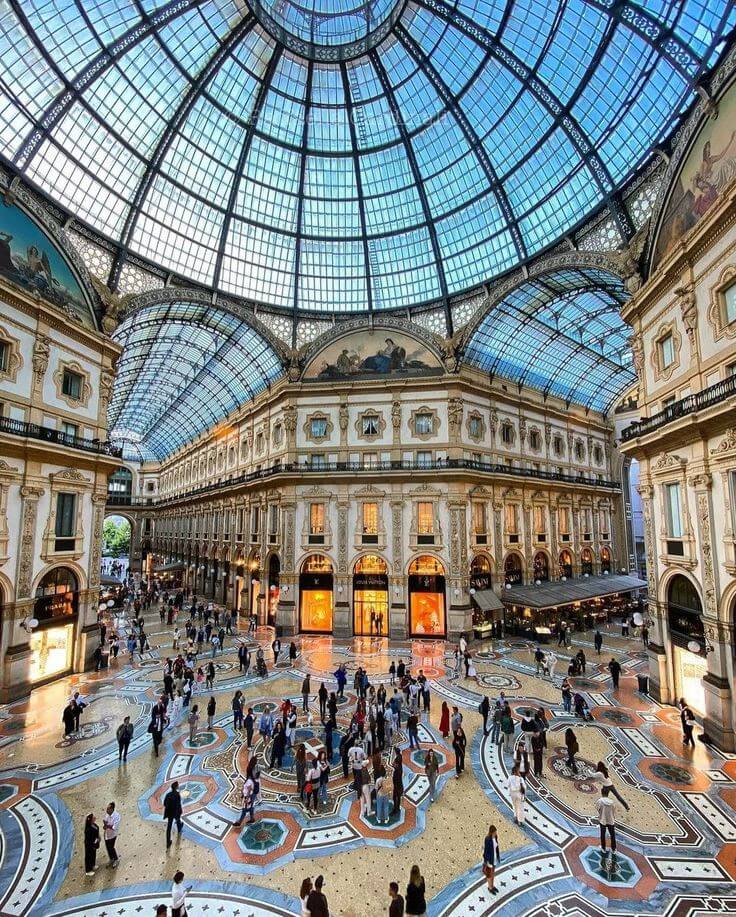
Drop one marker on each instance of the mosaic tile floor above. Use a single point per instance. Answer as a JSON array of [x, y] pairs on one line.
[[677, 843]]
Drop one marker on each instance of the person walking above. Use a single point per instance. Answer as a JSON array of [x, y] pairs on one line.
[[688, 724], [445, 720], [322, 695], [538, 753], [383, 798], [247, 801], [566, 696], [431, 769], [173, 811], [278, 746], [396, 907], [571, 743], [507, 729], [601, 775], [306, 691], [124, 735], [111, 829], [416, 903], [237, 705], [598, 642], [249, 723], [304, 890], [317, 902], [91, 844], [491, 858], [607, 820], [211, 708], [516, 787], [193, 721], [276, 648], [210, 681], [412, 726], [157, 724], [459, 742], [397, 781], [179, 895], [484, 708], [614, 667]]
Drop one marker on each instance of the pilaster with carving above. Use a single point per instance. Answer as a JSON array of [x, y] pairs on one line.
[[98, 521], [29, 513]]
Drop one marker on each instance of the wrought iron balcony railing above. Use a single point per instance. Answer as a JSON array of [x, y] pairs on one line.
[[710, 396], [48, 435]]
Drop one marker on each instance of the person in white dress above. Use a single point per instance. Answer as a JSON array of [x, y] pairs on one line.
[[516, 787]]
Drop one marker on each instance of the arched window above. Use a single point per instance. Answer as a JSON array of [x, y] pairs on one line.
[[541, 567], [684, 611], [512, 570], [565, 564], [427, 597], [586, 561]]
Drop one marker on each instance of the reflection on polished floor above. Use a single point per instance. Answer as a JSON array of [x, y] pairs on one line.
[[677, 843]]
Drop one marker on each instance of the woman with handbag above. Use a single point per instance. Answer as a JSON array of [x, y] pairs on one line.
[[491, 856]]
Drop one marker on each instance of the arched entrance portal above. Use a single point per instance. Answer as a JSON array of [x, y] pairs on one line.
[[316, 595], [56, 608], [586, 562], [684, 617], [427, 616], [370, 596], [512, 570], [565, 564], [605, 560], [541, 567]]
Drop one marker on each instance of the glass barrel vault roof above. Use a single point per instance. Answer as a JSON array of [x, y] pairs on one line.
[[369, 155]]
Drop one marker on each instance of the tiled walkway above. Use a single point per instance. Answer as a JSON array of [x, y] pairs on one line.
[[677, 844]]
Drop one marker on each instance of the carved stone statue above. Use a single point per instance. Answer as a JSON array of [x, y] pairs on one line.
[[114, 304], [688, 311]]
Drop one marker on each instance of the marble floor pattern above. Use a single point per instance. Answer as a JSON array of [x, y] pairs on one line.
[[677, 844]]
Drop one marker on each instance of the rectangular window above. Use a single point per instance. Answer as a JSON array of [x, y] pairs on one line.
[[370, 426], [480, 525], [317, 460], [540, 520], [255, 520], [370, 519], [587, 523], [673, 501], [4, 356], [507, 433], [511, 518], [425, 519], [65, 508], [69, 429], [71, 385], [474, 427], [318, 426], [277, 434], [563, 516], [666, 351], [239, 533], [259, 443], [730, 297], [424, 459], [370, 459], [273, 519], [423, 424], [316, 523], [730, 370]]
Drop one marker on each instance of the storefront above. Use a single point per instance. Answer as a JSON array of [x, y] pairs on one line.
[[512, 570], [274, 587], [370, 596], [605, 560], [487, 607], [427, 598], [565, 564], [586, 562], [56, 609], [316, 584], [684, 617], [541, 567]]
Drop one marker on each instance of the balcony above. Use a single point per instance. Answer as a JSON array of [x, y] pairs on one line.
[[373, 468], [48, 435], [709, 397], [127, 500]]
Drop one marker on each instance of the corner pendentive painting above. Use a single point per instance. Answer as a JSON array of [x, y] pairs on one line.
[[708, 170], [30, 259], [366, 354]]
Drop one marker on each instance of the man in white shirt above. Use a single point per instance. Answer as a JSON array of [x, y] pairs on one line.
[[607, 819], [356, 757], [516, 788], [111, 827]]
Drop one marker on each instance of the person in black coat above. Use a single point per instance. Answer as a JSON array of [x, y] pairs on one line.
[[398, 780], [172, 811], [278, 747], [68, 718], [157, 724], [91, 844]]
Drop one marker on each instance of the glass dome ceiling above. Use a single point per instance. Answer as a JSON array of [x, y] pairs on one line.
[[343, 155]]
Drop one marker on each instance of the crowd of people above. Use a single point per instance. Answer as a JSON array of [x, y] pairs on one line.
[[365, 741]]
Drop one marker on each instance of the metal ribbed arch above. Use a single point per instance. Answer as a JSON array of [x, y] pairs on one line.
[[185, 366]]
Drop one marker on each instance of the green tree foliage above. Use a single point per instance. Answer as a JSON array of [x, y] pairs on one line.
[[116, 537]]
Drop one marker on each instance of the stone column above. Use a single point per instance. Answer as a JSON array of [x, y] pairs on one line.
[[718, 721], [398, 614], [659, 680], [460, 618]]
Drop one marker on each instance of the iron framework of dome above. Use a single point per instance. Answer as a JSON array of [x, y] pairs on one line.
[[343, 155]]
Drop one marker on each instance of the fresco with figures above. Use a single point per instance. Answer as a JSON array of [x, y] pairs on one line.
[[380, 352], [29, 259], [709, 169]]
